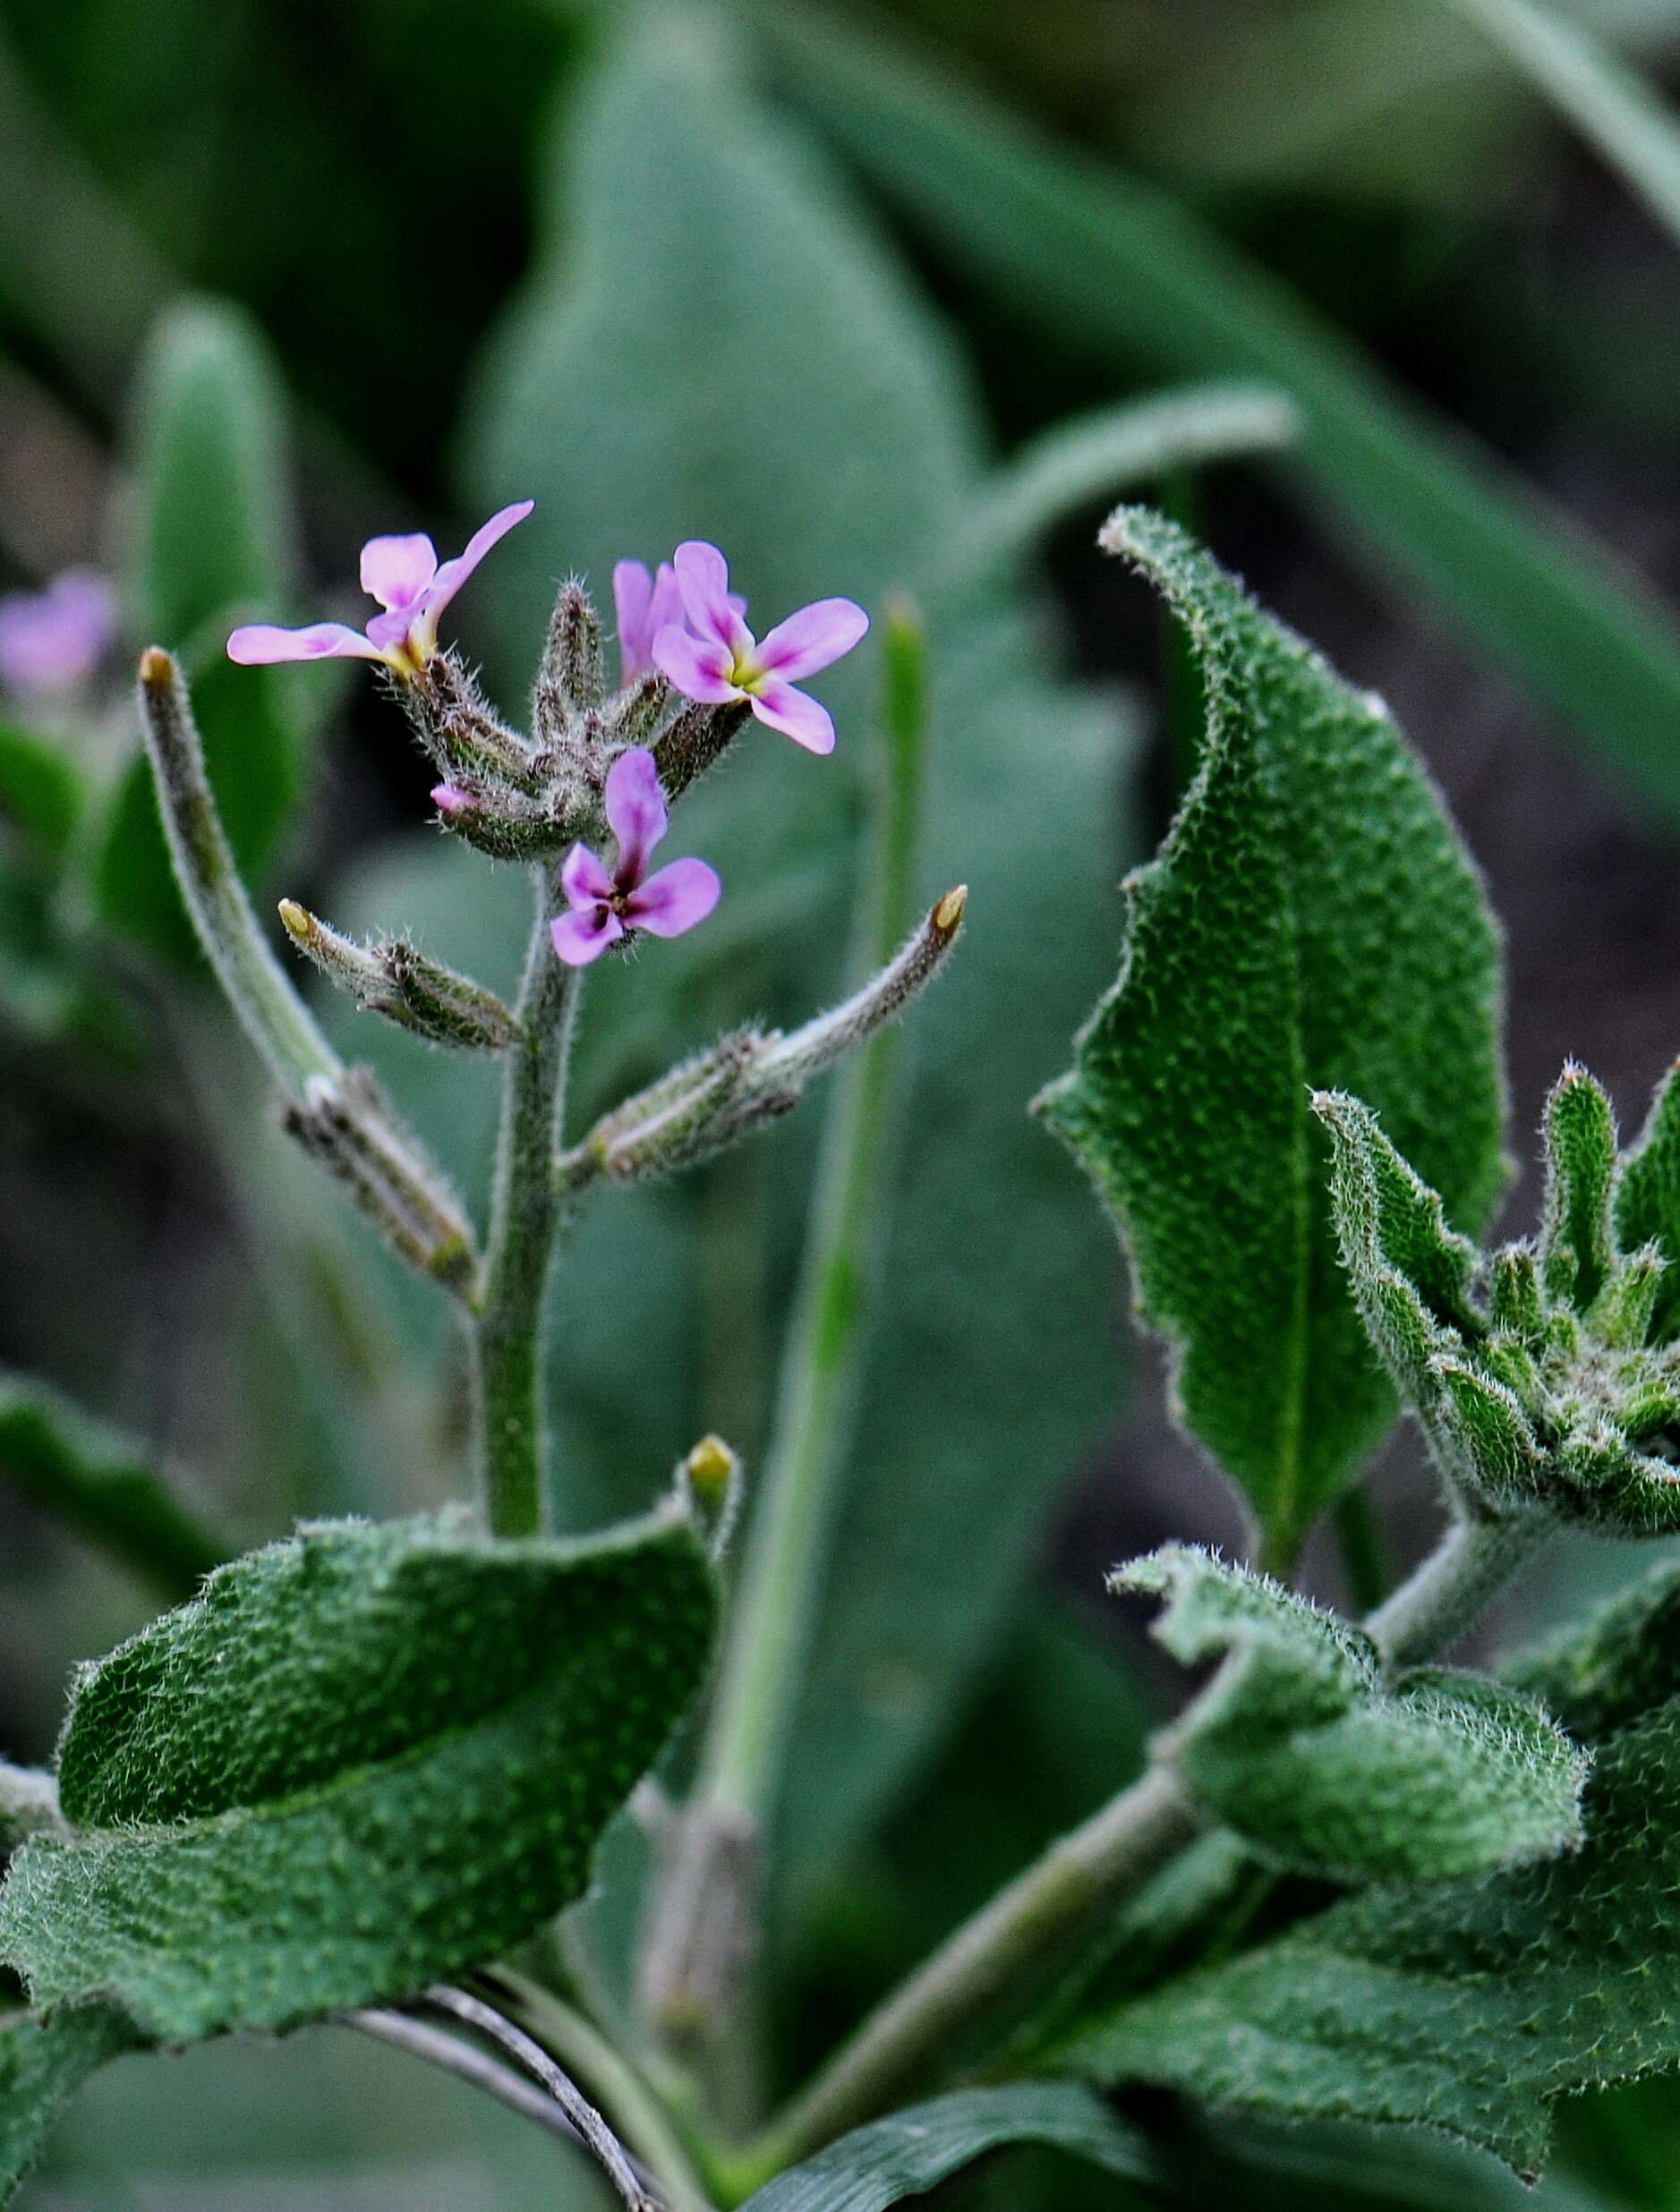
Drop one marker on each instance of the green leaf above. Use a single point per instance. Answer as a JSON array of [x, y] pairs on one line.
[[1300, 1748], [1311, 920], [917, 2148], [363, 1759], [1116, 268], [1471, 2007], [212, 544], [102, 1487], [801, 406], [1621, 116], [40, 790], [42, 2061]]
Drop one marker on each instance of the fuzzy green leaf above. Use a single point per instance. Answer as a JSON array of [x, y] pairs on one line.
[[1300, 1748], [1312, 920], [211, 545], [1470, 2007], [363, 1759], [915, 2149], [42, 2061], [102, 1487]]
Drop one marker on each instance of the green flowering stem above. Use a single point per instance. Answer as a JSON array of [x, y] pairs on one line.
[[703, 1927], [525, 1214], [1453, 1586]]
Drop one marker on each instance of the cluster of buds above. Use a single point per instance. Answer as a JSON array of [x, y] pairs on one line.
[[1548, 1380]]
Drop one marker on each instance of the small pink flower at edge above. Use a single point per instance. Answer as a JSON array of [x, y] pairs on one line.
[[604, 906], [52, 640], [411, 585], [722, 659]]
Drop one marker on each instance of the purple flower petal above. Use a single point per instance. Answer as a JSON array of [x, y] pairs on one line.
[[585, 879], [449, 799], [635, 812], [702, 577], [396, 571], [674, 898], [388, 633], [52, 641], [812, 639], [701, 667], [259, 643], [454, 574], [580, 938], [794, 713], [632, 597]]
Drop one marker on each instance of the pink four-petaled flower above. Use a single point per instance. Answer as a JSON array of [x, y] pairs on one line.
[[718, 659], [410, 584], [604, 904]]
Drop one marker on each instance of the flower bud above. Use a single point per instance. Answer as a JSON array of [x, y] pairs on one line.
[[569, 680]]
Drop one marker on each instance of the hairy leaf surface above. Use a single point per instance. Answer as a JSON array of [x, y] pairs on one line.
[[364, 1759], [1473, 2006], [1311, 920], [1302, 1750]]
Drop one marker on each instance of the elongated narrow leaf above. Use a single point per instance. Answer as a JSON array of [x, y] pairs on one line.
[[801, 406], [917, 2149], [1307, 1754], [42, 2061], [1312, 920], [1470, 2007], [1116, 268], [1115, 449], [211, 543], [363, 1759], [102, 1486], [1623, 116]]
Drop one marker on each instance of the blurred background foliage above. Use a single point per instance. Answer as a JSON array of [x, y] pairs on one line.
[[278, 274]]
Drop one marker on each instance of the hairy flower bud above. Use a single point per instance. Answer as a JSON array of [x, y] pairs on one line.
[[394, 979], [569, 680]]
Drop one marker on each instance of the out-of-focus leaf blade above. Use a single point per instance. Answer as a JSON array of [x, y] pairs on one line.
[[915, 2149], [1118, 269], [102, 1486], [363, 1760], [40, 790], [42, 2061], [1312, 919], [210, 543], [1612, 105]]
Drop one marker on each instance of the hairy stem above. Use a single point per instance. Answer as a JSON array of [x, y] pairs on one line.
[[526, 1211], [1061, 1892], [404, 2032], [699, 1930], [1452, 1588]]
